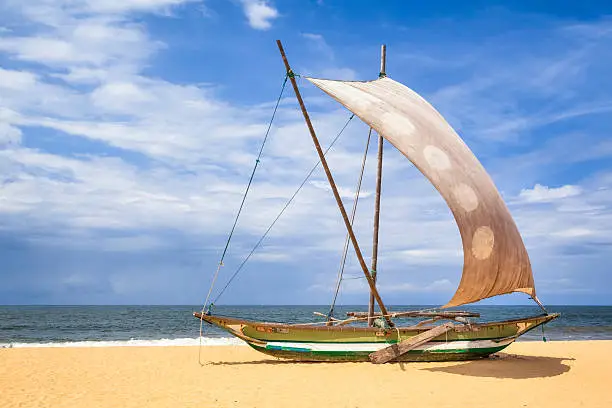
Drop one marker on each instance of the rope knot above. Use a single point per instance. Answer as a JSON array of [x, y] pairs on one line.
[[209, 309]]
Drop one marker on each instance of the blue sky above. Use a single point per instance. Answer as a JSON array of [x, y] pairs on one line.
[[128, 130]]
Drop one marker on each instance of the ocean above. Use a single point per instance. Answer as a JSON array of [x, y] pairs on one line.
[[99, 326]]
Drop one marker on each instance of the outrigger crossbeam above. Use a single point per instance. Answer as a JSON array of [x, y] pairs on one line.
[[416, 313]]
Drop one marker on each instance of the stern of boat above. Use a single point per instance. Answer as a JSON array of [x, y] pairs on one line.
[[529, 324]]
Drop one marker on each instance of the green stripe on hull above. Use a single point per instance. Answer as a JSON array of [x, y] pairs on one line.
[[282, 348], [413, 355]]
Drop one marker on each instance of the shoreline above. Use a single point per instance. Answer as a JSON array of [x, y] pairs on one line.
[[177, 342], [537, 374], [194, 342]]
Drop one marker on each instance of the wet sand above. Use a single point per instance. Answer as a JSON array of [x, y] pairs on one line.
[[527, 374]]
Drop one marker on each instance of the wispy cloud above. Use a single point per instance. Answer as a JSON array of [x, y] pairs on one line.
[[327, 65], [508, 93], [343, 191], [541, 193], [442, 285], [259, 13], [350, 285]]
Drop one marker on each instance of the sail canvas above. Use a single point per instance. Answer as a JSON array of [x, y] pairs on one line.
[[495, 259]]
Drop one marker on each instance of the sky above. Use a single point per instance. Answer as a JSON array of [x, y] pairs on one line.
[[129, 130]]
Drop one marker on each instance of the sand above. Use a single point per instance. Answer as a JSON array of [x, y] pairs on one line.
[[529, 374]]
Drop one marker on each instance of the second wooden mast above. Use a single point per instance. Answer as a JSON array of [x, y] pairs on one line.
[[382, 74]]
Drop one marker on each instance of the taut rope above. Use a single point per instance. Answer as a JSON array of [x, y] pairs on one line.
[[246, 192], [347, 240]]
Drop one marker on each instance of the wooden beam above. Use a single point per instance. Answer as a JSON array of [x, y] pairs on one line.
[[332, 184], [416, 313], [397, 350]]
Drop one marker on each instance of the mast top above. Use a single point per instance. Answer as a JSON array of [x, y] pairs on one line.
[[383, 61]]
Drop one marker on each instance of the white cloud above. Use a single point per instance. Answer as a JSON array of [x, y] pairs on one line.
[[51, 10], [16, 80], [122, 6], [359, 286], [98, 44], [541, 193], [81, 40], [435, 255], [259, 13], [273, 255], [574, 232], [553, 221], [314, 37], [84, 44]]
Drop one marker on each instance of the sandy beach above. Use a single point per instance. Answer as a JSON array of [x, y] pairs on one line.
[[529, 374]]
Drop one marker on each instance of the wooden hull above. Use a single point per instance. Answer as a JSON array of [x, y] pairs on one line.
[[306, 342]]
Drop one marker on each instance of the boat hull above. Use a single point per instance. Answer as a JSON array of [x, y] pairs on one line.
[[348, 343], [433, 351]]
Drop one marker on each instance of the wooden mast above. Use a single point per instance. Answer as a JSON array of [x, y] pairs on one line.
[[332, 184], [383, 65], [383, 61]]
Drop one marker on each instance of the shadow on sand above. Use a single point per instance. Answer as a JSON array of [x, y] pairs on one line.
[[504, 365], [500, 365], [276, 362]]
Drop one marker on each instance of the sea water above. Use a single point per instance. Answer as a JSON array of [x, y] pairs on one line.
[[99, 326]]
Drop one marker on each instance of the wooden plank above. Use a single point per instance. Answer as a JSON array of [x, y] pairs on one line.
[[396, 350]]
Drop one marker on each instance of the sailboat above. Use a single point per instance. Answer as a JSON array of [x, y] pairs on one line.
[[495, 258]]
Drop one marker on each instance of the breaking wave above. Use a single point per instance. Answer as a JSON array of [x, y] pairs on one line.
[[206, 341]]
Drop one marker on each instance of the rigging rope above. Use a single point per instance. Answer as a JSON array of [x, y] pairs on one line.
[[246, 192], [353, 277], [282, 210], [347, 240]]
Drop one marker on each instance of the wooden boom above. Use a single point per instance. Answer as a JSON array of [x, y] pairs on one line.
[[416, 313], [397, 350]]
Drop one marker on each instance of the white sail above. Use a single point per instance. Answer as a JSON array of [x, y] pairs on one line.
[[495, 258]]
